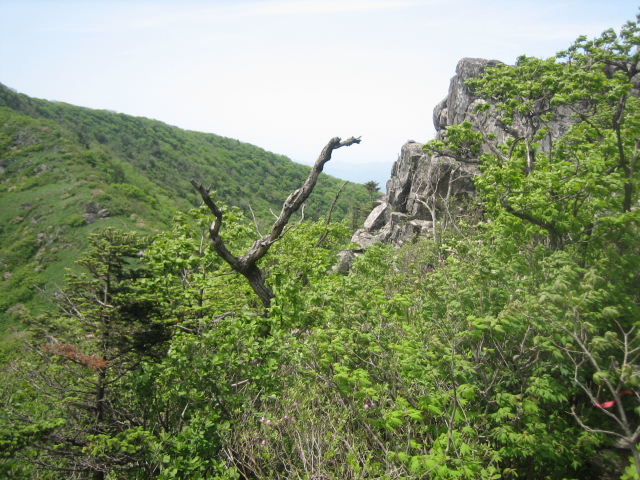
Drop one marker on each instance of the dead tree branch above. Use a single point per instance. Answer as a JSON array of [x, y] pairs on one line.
[[246, 265]]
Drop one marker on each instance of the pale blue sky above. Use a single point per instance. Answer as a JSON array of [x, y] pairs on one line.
[[283, 75]]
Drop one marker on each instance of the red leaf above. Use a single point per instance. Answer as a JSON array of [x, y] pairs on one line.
[[608, 404]]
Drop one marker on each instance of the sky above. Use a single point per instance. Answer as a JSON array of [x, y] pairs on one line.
[[285, 75]]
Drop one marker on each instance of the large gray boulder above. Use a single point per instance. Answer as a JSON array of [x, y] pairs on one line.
[[345, 260], [377, 218]]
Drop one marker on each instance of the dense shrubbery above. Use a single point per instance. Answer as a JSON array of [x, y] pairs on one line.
[[505, 349]]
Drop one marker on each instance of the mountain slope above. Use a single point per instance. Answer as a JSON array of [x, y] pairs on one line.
[[67, 171]]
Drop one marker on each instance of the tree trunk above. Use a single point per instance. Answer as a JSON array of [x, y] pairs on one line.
[[256, 279]]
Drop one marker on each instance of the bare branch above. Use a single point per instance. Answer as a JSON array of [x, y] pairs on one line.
[[328, 221], [255, 223], [304, 205], [593, 430], [247, 263]]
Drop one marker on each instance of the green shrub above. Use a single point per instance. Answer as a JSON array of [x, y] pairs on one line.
[[75, 220]]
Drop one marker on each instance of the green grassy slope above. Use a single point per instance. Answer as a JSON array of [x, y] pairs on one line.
[[62, 168]]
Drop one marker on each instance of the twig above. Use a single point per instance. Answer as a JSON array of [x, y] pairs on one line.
[[333, 204], [255, 223]]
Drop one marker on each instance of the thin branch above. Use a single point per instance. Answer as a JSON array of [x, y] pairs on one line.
[[255, 223], [593, 430], [333, 204], [304, 205]]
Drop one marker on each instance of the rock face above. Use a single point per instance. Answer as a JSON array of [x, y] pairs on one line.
[[424, 187], [452, 110]]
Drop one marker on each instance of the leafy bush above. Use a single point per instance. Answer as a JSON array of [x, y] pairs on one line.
[[75, 220]]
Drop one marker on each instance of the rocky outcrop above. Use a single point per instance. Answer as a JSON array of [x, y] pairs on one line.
[[424, 187], [93, 212], [453, 109]]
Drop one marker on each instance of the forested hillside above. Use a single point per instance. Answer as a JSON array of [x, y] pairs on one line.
[[67, 171], [504, 347]]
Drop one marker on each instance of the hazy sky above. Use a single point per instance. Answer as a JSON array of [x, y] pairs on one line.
[[284, 75]]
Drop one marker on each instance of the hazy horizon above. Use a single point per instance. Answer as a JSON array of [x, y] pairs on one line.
[[283, 75]]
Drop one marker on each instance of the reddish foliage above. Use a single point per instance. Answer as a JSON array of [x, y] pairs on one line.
[[92, 362]]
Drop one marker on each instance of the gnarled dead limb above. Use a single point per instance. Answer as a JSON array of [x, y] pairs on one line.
[[246, 264]]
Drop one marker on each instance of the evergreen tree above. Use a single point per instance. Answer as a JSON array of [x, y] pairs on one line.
[[107, 325]]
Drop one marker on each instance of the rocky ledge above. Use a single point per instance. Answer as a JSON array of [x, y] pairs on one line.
[[424, 187]]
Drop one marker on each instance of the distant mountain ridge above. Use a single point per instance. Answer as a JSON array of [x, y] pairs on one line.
[[364, 172], [66, 171]]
